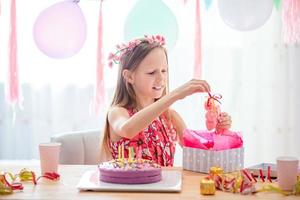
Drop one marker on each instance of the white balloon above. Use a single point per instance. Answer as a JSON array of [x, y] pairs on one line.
[[245, 15], [60, 30]]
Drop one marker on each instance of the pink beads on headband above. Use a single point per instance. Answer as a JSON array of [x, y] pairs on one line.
[[124, 47]]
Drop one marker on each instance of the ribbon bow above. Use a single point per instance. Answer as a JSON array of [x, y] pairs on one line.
[[215, 97]]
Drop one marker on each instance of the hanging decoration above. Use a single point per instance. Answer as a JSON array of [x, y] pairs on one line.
[[13, 74], [291, 21], [245, 15], [207, 4], [197, 43], [100, 92], [60, 30], [151, 18], [277, 4]]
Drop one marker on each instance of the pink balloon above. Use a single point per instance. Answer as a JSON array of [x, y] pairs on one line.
[[60, 30]]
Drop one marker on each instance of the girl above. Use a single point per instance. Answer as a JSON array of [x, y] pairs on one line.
[[140, 115]]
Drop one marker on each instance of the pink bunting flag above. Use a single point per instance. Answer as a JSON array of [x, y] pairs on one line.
[[291, 21], [13, 80], [99, 100], [198, 53]]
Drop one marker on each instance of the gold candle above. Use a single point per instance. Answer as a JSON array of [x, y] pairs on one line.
[[119, 152], [122, 151], [207, 186], [129, 153], [132, 153]]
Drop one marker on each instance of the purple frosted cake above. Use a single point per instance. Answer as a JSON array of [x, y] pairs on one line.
[[133, 172]]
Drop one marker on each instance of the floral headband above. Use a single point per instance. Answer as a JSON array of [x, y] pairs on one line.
[[123, 48]]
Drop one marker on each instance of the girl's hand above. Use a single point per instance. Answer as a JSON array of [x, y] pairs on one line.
[[191, 87], [224, 121]]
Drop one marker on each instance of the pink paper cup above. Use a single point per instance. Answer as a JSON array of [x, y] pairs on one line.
[[49, 157], [287, 170]]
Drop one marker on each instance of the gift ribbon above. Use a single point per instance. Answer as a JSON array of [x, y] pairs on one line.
[[261, 175], [244, 182], [8, 186], [253, 177], [215, 97], [271, 188], [269, 174]]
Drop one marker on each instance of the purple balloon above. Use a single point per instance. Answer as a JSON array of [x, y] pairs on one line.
[[60, 30]]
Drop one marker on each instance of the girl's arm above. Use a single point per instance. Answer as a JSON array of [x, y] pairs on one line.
[[123, 125], [179, 125]]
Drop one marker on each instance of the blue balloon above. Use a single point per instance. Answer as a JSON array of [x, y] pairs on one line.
[[151, 17]]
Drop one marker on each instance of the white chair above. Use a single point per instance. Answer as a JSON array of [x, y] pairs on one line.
[[79, 148]]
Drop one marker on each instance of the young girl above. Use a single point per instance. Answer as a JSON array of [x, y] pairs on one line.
[[140, 115]]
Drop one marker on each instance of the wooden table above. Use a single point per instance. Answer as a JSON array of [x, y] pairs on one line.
[[70, 175]]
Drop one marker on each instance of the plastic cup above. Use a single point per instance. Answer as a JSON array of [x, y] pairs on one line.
[[287, 170], [49, 157]]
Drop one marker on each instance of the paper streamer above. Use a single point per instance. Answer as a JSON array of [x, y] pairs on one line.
[[13, 78], [197, 50], [100, 92]]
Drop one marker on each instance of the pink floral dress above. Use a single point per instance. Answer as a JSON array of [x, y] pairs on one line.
[[157, 141]]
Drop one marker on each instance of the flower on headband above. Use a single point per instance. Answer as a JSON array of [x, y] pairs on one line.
[[158, 38], [123, 48]]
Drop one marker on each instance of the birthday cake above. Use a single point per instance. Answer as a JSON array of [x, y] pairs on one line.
[[126, 171]]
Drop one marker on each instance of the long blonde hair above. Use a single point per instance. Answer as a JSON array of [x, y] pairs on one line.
[[124, 95]]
